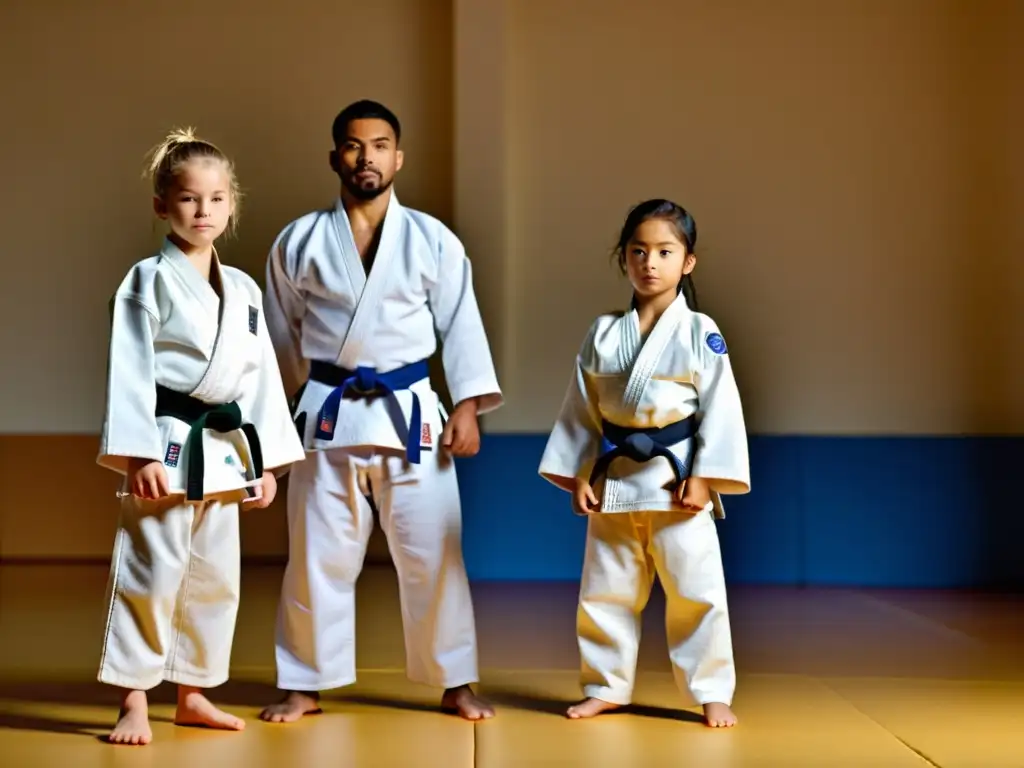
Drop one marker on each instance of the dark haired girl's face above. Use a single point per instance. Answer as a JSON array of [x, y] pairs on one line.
[[368, 159], [656, 259]]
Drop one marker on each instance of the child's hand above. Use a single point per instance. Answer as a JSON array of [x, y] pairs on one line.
[[147, 479], [694, 493], [584, 502], [269, 491]]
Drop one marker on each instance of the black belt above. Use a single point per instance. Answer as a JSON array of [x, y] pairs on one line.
[[642, 445], [226, 417]]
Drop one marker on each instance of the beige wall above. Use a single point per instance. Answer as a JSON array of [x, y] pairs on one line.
[[854, 168], [87, 88], [848, 166]]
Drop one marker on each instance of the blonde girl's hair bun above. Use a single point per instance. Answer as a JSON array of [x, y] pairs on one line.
[[178, 137], [181, 145]]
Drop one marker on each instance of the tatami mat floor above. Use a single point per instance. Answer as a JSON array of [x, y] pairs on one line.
[[827, 678]]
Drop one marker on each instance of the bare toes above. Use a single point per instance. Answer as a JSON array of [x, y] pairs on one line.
[[293, 708], [132, 728], [718, 715], [466, 704], [130, 739], [281, 714], [589, 708], [196, 710]]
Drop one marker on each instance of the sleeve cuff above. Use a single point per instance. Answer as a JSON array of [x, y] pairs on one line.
[[117, 459], [487, 390], [721, 479]]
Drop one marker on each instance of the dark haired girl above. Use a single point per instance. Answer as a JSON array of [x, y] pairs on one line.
[[651, 432]]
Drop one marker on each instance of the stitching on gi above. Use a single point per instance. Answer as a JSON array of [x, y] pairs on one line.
[[173, 657], [114, 593]]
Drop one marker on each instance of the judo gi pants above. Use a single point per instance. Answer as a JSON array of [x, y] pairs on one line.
[[624, 552], [172, 594], [331, 500]]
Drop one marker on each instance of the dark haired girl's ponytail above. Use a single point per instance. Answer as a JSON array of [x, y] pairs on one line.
[[689, 291]]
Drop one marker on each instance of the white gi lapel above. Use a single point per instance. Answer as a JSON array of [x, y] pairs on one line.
[[200, 289], [349, 253], [230, 351], [629, 340], [370, 289], [645, 360]]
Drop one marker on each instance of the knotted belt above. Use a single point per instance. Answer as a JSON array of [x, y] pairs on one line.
[[223, 418], [363, 383], [642, 445]]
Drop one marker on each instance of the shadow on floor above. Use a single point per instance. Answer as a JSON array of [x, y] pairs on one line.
[[245, 693], [531, 701], [95, 694]]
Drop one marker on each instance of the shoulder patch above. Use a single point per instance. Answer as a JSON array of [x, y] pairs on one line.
[[716, 343]]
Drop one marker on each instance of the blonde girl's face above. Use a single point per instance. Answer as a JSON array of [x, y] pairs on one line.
[[198, 205], [656, 258]]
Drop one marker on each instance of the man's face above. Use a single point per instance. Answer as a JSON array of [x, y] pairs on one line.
[[368, 159]]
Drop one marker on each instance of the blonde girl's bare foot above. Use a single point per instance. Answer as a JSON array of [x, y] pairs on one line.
[[466, 704], [589, 708], [295, 705], [194, 709], [133, 721], [718, 715]]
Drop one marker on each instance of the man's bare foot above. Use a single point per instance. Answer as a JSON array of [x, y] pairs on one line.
[[194, 709], [718, 715], [466, 704], [589, 708], [295, 705], [133, 721]]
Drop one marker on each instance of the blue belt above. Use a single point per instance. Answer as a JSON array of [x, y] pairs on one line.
[[642, 445], [363, 383]]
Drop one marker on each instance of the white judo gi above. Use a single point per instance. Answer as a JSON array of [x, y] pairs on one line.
[[380, 453], [176, 349], [681, 371]]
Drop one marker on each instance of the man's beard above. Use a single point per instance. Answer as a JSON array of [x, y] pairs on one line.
[[361, 192]]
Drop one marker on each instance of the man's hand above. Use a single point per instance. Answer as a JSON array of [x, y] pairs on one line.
[[461, 435]]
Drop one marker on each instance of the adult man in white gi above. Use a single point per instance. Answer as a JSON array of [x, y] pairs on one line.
[[356, 297]]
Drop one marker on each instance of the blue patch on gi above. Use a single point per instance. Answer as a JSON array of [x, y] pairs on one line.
[[254, 315], [716, 343], [173, 454]]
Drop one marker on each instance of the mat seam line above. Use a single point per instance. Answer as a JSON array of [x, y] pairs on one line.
[[906, 744]]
